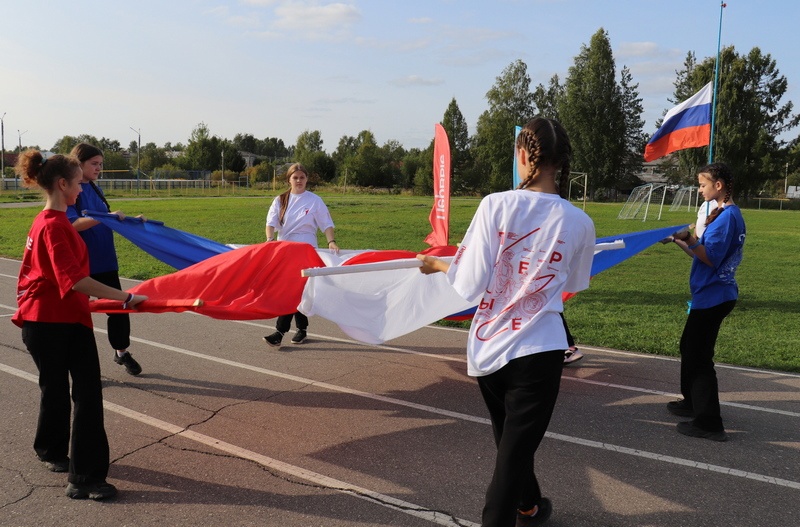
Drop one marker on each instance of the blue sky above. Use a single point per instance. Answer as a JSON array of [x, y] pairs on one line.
[[275, 68]]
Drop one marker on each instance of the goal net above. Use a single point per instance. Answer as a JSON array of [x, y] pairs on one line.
[[685, 197], [641, 200]]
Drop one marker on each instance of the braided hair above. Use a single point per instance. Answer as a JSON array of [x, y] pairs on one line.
[[547, 145], [718, 172]]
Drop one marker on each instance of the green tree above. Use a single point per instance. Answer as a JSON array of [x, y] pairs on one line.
[[510, 104], [201, 151], [461, 179], [635, 138], [151, 157], [591, 111], [750, 116], [307, 143], [320, 167], [234, 161], [548, 98], [246, 143], [343, 157], [392, 154], [273, 148], [414, 160], [365, 165]]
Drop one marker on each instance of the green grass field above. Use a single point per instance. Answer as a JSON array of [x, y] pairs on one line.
[[639, 305]]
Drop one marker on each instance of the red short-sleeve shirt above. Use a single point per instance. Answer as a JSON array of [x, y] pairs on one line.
[[55, 259]]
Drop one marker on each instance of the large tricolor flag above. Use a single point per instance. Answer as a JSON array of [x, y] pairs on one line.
[[440, 213], [263, 281], [688, 125]]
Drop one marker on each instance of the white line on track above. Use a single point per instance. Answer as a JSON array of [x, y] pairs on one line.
[[470, 418], [475, 419], [321, 480]]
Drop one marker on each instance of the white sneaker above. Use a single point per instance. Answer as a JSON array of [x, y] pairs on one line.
[[572, 355]]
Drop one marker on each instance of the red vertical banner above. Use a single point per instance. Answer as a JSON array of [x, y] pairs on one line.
[[440, 213]]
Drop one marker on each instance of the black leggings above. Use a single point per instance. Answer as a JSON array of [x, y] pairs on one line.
[[698, 376]]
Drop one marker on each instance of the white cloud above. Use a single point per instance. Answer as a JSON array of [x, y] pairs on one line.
[[311, 16]]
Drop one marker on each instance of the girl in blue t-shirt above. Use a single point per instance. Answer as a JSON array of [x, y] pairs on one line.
[[716, 256], [100, 243]]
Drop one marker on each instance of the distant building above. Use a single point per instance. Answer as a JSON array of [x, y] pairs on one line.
[[653, 171]]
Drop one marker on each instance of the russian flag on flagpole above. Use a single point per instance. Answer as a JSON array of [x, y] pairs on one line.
[[688, 125]]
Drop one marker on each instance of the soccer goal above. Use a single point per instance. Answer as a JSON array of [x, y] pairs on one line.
[[685, 197], [640, 200]]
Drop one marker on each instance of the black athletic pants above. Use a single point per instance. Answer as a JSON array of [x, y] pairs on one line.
[[520, 398], [698, 377], [284, 322], [61, 351], [119, 324]]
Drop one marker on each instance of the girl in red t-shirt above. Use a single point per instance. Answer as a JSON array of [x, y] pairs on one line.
[[53, 297]]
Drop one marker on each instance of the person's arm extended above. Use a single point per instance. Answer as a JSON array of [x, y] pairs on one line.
[[83, 223], [692, 247], [90, 286], [431, 264]]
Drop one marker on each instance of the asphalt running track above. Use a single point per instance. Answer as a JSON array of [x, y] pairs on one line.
[[219, 429]]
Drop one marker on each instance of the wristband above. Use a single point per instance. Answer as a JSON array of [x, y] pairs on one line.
[[127, 300], [695, 245], [331, 241]]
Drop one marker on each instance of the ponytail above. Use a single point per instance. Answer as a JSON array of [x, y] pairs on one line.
[[36, 170]]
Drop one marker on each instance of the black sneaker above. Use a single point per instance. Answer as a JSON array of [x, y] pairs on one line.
[[541, 516], [93, 491], [299, 336], [274, 340], [127, 360], [688, 428], [681, 408], [56, 466]]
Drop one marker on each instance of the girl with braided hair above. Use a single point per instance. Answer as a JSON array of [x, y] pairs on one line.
[[517, 338], [716, 255]]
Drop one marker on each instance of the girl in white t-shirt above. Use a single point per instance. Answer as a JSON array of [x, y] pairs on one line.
[[523, 249], [296, 215]]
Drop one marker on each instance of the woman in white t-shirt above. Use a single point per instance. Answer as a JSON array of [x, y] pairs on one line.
[[523, 249], [296, 215]]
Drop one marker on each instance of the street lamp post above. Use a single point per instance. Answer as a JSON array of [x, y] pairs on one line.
[[786, 182], [138, 153], [20, 134], [3, 145]]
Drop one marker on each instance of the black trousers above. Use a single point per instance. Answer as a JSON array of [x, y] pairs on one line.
[[119, 324], [284, 322], [698, 377], [61, 351], [520, 398]]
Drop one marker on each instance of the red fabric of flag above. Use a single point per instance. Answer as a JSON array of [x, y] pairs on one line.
[[254, 282]]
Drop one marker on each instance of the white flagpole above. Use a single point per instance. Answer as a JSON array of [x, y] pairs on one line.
[[410, 263]]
